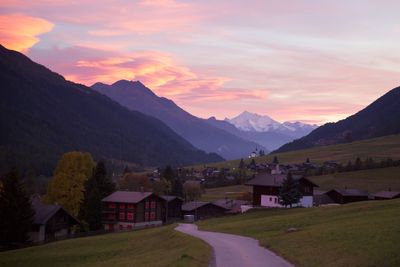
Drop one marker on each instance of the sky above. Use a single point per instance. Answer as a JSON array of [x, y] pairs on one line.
[[313, 61]]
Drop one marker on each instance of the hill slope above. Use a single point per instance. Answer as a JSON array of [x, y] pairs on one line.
[[43, 116], [136, 96], [380, 118]]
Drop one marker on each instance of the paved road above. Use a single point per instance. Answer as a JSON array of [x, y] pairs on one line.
[[235, 251]]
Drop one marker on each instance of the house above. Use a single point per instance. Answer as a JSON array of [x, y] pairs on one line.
[[232, 205], [172, 208], [202, 210], [51, 221], [266, 189], [382, 195], [343, 196], [321, 198], [124, 210]]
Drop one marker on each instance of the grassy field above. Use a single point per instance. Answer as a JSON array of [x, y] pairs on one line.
[[371, 180], [160, 246], [377, 148], [231, 192], [358, 234]]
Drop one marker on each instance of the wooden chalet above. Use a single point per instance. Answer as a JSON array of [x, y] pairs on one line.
[[172, 209], [343, 196], [232, 205], [202, 210], [266, 189], [51, 221], [383, 195], [124, 210]]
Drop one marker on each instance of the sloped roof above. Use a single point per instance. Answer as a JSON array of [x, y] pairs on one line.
[[170, 198], [387, 194], [350, 192], [267, 179], [127, 197], [189, 206], [230, 203], [43, 212]]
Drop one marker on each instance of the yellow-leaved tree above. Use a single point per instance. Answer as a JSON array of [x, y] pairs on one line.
[[68, 184]]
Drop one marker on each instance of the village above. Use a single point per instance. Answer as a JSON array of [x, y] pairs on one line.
[[270, 186]]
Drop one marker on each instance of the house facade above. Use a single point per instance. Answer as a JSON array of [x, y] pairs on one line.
[[203, 210], [123, 210], [51, 222], [266, 188], [172, 209], [343, 196]]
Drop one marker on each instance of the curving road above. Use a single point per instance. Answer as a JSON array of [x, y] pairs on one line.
[[235, 251]]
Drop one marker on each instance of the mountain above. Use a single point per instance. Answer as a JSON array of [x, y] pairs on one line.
[[135, 96], [42, 116], [380, 118], [252, 122], [269, 140]]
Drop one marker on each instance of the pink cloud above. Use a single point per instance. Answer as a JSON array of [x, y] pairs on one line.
[[20, 32]]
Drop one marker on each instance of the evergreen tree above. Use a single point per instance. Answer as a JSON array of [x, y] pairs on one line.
[[16, 212], [276, 161], [104, 184], [91, 207], [289, 193], [168, 173], [177, 187], [241, 164]]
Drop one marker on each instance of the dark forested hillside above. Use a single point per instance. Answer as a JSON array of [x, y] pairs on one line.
[[380, 118], [42, 116]]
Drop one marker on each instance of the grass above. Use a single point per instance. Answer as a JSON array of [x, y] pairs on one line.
[[370, 180], [162, 246], [231, 192], [357, 234], [376, 148]]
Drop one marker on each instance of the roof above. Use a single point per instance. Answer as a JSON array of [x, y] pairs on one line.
[[127, 197], [230, 203], [43, 212], [319, 192], [170, 198], [387, 194], [267, 179], [350, 192], [189, 206]]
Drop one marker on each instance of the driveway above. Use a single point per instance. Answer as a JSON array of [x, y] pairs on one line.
[[235, 251]]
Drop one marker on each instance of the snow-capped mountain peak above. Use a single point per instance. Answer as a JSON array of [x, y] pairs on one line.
[[253, 122]]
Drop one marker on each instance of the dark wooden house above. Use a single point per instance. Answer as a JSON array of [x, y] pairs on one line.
[[51, 222], [172, 208], [124, 210], [383, 195], [266, 189], [203, 210], [343, 196]]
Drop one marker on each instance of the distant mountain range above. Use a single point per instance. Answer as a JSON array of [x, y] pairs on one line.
[[380, 118], [42, 116], [135, 96]]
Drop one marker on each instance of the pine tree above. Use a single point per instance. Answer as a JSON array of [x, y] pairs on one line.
[[104, 184], [276, 161], [16, 212], [289, 193], [241, 164], [168, 173], [177, 187], [91, 207]]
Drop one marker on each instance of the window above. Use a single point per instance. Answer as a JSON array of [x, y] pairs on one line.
[[121, 227], [122, 216], [111, 205], [111, 216], [129, 216], [146, 216], [122, 206], [270, 199], [130, 206], [152, 216], [147, 205], [276, 200], [153, 204]]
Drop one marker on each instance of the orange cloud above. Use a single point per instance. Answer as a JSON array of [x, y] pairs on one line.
[[19, 32]]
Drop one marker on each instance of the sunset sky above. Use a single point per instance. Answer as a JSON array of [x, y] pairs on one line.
[[314, 61]]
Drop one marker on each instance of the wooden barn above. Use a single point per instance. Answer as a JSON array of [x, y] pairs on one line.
[[173, 208], [202, 210], [343, 196], [124, 210], [383, 195], [266, 189], [51, 222]]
